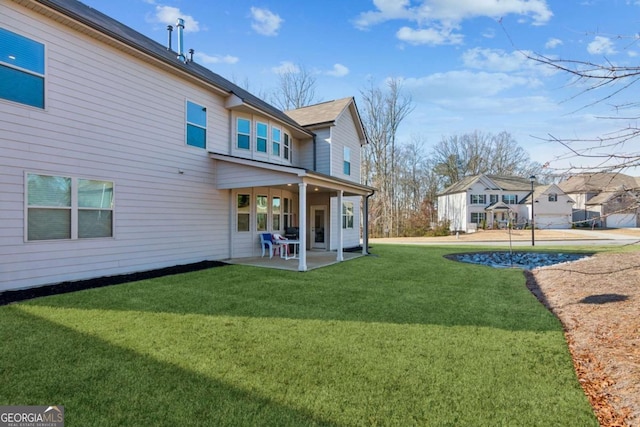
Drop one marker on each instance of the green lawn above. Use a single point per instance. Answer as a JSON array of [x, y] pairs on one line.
[[402, 338]]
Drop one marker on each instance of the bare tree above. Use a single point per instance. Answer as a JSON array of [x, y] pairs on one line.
[[296, 88], [481, 153]]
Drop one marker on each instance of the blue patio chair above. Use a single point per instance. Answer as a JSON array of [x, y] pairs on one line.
[[266, 241]]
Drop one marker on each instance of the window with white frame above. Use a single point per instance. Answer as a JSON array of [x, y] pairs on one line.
[[478, 217], [196, 125], [243, 206], [347, 215], [61, 207], [510, 199], [346, 163], [262, 134], [262, 212], [275, 213], [243, 133], [288, 212], [553, 197], [22, 72], [493, 198], [287, 147], [478, 199], [275, 140]]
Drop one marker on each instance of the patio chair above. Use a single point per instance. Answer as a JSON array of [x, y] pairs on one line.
[[266, 242]]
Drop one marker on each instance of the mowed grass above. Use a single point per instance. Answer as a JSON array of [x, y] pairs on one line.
[[401, 338]]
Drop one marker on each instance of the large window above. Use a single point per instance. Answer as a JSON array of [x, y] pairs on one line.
[[478, 199], [262, 133], [21, 69], [244, 212], [346, 166], [196, 125], [243, 131], [347, 215], [275, 140], [288, 213], [287, 147], [275, 213], [262, 212], [510, 199], [478, 217], [61, 207]]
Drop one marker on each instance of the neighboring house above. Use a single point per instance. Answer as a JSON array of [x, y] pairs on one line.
[[120, 155], [492, 201], [604, 199]]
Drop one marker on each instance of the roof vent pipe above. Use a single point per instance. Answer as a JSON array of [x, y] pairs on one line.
[[191, 52], [169, 31], [180, 26]]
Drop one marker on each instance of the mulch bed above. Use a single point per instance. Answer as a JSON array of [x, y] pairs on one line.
[[598, 302]]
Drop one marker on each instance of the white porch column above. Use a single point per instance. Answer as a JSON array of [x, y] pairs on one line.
[[340, 256], [302, 226]]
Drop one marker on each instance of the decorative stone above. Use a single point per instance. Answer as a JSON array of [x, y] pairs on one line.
[[524, 260]]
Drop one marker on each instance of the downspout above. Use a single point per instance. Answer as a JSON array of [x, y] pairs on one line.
[[365, 228]]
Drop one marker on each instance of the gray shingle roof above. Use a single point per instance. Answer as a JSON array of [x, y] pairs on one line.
[[597, 182], [324, 112], [505, 183], [118, 31]]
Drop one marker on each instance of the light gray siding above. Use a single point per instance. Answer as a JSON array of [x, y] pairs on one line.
[[112, 117], [323, 150], [344, 134]]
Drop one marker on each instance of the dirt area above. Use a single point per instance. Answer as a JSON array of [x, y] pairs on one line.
[[598, 302]]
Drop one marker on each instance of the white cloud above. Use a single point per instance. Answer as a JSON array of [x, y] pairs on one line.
[[286, 67], [265, 22], [601, 46], [215, 59], [436, 19], [169, 15], [430, 36], [552, 43], [338, 70]]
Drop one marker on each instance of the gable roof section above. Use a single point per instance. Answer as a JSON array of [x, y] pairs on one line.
[[583, 183], [112, 29], [493, 182], [327, 113]]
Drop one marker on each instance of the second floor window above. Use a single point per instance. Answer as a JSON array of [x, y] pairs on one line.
[[346, 165], [196, 125], [510, 199], [553, 197], [21, 69], [275, 139], [262, 131], [243, 132], [287, 147], [493, 198], [478, 199]]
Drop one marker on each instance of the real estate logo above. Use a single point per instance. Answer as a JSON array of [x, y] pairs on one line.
[[31, 416]]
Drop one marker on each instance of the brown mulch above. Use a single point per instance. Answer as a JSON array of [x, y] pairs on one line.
[[598, 301]]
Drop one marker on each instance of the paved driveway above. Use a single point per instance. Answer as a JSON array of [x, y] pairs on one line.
[[618, 236]]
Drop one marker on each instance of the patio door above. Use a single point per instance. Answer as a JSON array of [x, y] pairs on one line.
[[318, 227]]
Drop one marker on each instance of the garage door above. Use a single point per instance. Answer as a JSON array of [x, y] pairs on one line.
[[553, 221], [621, 220]]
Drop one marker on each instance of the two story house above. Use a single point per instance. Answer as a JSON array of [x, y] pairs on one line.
[[493, 201], [120, 154]]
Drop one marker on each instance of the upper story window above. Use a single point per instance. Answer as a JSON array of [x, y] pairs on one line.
[[493, 198], [510, 199], [243, 131], [287, 147], [60, 207], [262, 132], [196, 125], [21, 69], [478, 199], [553, 197], [275, 139], [346, 164]]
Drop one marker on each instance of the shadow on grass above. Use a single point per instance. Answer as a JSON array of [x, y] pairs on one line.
[[103, 385], [404, 285]]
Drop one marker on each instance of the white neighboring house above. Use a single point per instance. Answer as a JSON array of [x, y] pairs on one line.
[[119, 155], [492, 201]]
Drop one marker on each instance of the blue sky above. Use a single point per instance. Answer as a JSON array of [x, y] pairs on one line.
[[461, 61]]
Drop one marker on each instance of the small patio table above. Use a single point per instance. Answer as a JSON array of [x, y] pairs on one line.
[[285, 253]]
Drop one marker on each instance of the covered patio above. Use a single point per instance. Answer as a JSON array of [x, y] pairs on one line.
[[315, 259]]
